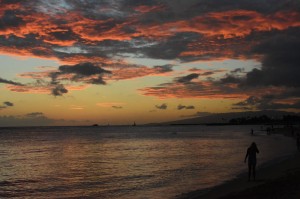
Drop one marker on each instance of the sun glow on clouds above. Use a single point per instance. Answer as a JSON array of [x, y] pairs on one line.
[[164, 50]]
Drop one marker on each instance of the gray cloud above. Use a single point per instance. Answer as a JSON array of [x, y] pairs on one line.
[[115, 13], [10, 20], [59, 90], [238, 70], [187, 79], [164, 68], [252, 100], [85, 72], [35, 114], [162, 106], [265, 6], [169, 48], [208, 73], [8, 103], [280, 64], [81, 71], [266, 102], [4, 81], [278, 48], [180, 107], [64, 35], [117, 107], [229, 79]]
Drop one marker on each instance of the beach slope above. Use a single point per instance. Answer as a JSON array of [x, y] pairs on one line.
[[281, 179]]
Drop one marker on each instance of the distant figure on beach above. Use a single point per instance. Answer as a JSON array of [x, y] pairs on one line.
[[252, 132], [251, 155]]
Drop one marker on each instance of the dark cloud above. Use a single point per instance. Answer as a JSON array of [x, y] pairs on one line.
[[10, 20], [100, 34], [10, 1], [266, 102], [64, 35], [135, 3], [264, 6], [187, 79], [207, 73], [238, 70], [114, 21], [100, 10], [169, 48], [252, 100], [117, 107], [279, 72], [4, 81], [190, 107], [164, 68], [229, 79], [180, 107], [184, 87], [8, 103], [162, 106], [59, 90], [84, 72], [81, 71], [35, 114], [280, 63], [29, 44], [280, 106]]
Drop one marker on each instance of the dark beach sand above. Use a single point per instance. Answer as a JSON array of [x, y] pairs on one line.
[[279, 179]]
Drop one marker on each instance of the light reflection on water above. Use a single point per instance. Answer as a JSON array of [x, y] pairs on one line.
[[125, 162]]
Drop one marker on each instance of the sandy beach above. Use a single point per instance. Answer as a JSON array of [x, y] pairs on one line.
[[279, 179]]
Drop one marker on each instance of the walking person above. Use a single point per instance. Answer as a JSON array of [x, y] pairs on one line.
[[298, 141], [251, 155]]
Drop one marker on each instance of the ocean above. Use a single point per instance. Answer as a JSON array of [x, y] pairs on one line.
[[127, 161]]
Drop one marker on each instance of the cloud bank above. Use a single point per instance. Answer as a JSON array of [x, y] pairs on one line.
[[92, 39]]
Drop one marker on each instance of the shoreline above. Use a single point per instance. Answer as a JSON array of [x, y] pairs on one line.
[[277, 175]]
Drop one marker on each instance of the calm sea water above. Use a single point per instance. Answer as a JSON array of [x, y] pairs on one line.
[[126, 162]]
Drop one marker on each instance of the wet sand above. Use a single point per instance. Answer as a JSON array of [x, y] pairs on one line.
[[279, 179]]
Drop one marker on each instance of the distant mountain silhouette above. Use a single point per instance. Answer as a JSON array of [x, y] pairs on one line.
[[223, 118]]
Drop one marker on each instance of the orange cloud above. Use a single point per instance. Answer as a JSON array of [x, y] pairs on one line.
[[137, 72], [43, 89], [99, 30], [229, 24], [199, 90]]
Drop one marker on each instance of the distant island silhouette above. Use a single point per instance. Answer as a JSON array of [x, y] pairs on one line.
[[241, 118]]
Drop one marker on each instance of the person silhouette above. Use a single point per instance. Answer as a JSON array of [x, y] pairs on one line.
[[298, 141], [251, 155]]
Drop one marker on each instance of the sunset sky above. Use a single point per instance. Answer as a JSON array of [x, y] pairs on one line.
[[80, 62]]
